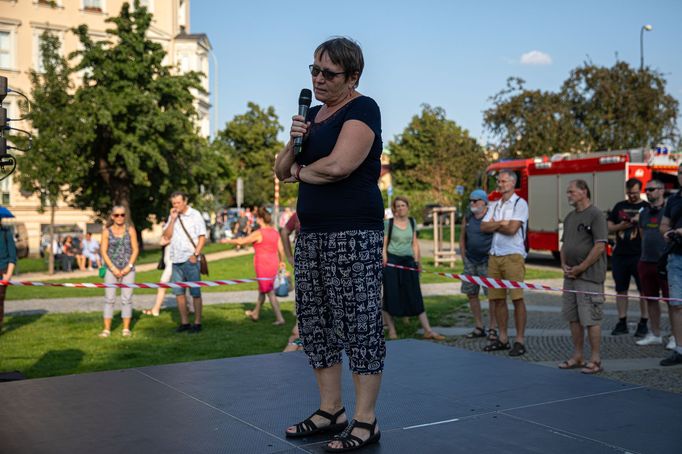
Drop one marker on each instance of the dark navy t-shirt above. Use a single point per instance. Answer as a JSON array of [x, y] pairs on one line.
[[354, 203]]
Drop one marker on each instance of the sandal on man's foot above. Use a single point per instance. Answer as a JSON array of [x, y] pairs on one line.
[[308, 427], [492, 334], [518, 349], [571, 364], [496, 345], [351, 442], [477, 332], [593, 367]]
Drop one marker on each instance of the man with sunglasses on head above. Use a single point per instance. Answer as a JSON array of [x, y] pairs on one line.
[[186, 231], [622, 221], [671, 228], [507, 220], [583, 261], [653, 245], [474, 245]]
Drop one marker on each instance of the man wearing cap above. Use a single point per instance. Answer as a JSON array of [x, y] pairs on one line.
[[474, 245], [507, 220], [8, 260]]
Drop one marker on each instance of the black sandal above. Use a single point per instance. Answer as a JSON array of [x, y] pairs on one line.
[[351, 442], [492, 334], [496, 345], [476, 333], [307, 427]]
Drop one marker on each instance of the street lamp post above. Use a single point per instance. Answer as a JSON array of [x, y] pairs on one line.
[[648, 28]]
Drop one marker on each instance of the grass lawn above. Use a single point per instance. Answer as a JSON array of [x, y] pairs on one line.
[[60, 344], [232, 268], [149, 255], [532, 274], [427, 233]]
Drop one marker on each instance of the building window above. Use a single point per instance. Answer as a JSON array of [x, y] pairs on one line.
[[8, 34], [37, 53], [5, 50], [182, 17], [5, 190], [149, 4], [93, 5]]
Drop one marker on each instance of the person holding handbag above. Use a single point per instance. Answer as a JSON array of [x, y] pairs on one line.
[[267, 260], [119, 251], [186, 230], [166, 265]]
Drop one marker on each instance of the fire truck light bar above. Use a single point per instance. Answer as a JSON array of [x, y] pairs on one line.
[[611, 159]]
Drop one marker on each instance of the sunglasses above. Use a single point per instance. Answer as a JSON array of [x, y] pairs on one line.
[[474, 200], [119, 215], [651, 189], [327, 74]]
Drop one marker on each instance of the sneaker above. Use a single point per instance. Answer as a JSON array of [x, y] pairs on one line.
[[671, 343], [642, 330], [650, 339], [183, 328], [621, 328], [672, 360], [195, 329]]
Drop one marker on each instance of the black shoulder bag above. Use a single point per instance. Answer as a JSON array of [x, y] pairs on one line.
[[203, 264]]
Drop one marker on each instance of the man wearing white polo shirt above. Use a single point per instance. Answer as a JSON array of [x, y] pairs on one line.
[[507, 219]]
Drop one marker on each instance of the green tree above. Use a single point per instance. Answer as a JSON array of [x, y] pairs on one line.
[[621, 107], [433, 156], [250, 140], [597, 108], [531, 122], [47, 169], [136, 130]]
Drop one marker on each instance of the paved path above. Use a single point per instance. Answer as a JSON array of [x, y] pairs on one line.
[[548, 339]]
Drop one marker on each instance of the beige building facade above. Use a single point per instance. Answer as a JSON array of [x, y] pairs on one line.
[[22, 22]]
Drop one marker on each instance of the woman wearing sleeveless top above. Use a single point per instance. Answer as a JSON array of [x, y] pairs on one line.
[[267, 260], [402, 294], [119, 252]]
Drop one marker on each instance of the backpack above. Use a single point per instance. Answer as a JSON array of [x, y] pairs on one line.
[[413, 223], [524, 229]]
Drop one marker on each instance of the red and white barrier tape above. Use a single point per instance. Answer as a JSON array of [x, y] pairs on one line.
[[193, 284], [491, 282]]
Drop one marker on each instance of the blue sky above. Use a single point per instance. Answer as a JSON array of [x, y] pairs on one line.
[[451, 54]]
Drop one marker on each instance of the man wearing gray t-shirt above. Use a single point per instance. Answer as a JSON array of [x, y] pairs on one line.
[[583, 260]]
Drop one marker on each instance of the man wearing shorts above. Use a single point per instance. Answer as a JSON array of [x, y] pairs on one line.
[[474, 246], [583, 261], [187, 232], [623, 221], [507, 219], [671, 228]]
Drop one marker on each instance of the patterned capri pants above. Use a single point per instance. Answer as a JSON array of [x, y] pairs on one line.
[[338, 298]]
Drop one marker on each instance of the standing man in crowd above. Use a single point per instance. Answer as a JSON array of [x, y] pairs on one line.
[[474, 245], [186, 230], [671, 228], [623, 221], [507, 220], [653, 245], [583, 261]]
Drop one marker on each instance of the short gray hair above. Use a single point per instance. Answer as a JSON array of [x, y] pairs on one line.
[[511, 174], [344, 52]]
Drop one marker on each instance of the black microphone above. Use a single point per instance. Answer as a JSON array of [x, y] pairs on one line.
[[304, 100]]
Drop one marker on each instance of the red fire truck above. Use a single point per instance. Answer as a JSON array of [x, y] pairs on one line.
[[542, 182]]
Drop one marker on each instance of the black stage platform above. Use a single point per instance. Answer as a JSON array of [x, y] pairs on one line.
[[434, 399]]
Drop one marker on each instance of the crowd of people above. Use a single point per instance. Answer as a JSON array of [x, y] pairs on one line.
[[648, 250], [73, 252]]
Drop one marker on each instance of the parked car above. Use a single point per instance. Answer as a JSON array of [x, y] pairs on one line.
[[428, 213], [20, 234]]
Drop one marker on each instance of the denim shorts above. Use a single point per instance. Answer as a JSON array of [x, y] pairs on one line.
[[186, 272], [675, 278]]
